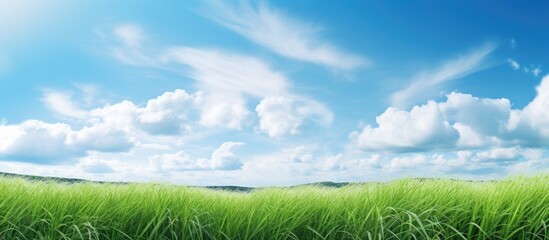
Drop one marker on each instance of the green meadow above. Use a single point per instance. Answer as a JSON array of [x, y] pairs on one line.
[[513, 208]]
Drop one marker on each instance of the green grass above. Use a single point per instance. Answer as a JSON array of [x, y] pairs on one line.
[[516, 208]]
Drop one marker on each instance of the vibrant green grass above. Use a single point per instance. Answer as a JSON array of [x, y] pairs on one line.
[[516, 208]]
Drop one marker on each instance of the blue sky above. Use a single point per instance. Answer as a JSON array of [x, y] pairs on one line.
[[273, 93]]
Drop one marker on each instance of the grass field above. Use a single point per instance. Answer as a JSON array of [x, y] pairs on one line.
[[515, 208]]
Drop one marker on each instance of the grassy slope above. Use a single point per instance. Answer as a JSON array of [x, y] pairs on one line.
[[516, 208]]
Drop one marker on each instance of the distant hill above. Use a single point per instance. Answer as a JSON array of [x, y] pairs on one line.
[[42, 178], [225, 188]]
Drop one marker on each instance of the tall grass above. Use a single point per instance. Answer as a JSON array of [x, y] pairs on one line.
[[516, 208]]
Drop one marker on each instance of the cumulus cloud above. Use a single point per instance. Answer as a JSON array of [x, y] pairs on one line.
[[300, 154], [422, 128], [530, 125], [425, 84], [170, 113], [112, 128], [479, 121], [281, 33], [36, 141], [100, 137], [462, 121], [282, 116], [223, 158], [46, 143]]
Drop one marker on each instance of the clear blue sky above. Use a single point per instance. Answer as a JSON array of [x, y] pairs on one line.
[[273, 93]]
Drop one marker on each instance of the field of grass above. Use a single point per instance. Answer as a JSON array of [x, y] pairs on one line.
[[515, 208]]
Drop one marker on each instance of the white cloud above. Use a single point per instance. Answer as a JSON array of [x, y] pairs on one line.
[[121, 115], [371, 162], [462, 121], [298, 164], [533, 69], [423, 128], [282, 116], [514, 64], [531, 124], [179, 161], [94, 165], [100, 137], [333, 163], [169, 114], [226, 80], [468, 138], [461, 160], [131, 37], [62, 104], [232, 115], [282, 34], [425, 84], [89, 93], [112, 128], [405, 162], [479, 121], [224, 72], [498, 154], [536, 71], [483, 115], [300, 154], [223, 158], [45, 143], [36, 141]]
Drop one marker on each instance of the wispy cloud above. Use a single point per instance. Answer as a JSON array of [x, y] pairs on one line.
[[531, 69], [62, 104], [221, 71], [425, 84], [281, 33], [513, 43], [514, 64], [534, 70]]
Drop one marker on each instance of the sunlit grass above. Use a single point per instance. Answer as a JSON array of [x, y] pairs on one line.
[[516, 208]]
